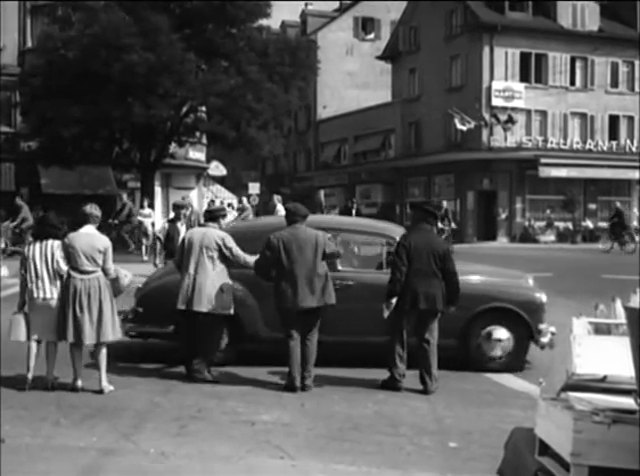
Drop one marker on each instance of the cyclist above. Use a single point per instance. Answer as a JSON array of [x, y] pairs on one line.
[[22, 224], [617, 223], [125, 220]]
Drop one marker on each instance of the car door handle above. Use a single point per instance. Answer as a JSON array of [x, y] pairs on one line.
[[341, 283]]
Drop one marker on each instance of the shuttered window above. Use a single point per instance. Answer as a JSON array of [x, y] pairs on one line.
[[533, 68], [367, 28]]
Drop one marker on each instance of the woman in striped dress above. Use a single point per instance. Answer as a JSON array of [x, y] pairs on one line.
[[88, 313], [42, 270]]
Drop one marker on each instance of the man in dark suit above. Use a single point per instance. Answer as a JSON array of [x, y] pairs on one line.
[[171, 233], [423, 283], [351, 209], [294, 259]]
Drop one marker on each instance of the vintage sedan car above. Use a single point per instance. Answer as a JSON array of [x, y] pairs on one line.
[[501, 312]]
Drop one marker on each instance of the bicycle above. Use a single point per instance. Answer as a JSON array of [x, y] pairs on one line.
[[628, 242]]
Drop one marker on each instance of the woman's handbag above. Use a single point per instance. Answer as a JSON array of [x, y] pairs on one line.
[[121, 281], [18, 327]]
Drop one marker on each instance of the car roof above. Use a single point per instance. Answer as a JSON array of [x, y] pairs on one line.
[[272, 223], [251, 235]]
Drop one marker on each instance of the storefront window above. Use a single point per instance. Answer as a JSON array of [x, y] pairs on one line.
[[549, 194], [601, 196]]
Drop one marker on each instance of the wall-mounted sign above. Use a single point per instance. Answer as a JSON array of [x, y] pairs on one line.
[[507, 94], [253, 188], [589, 173], [626, 147]]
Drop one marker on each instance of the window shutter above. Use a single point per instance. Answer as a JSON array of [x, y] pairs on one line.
[[553, 124], [554, 69], [378, 28], [463, 69], [592, 74], [513, 65], [636, 75], [566, 69], [356, 28]]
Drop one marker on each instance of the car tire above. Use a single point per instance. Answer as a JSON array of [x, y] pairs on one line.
[[509, 356], [228, 352]]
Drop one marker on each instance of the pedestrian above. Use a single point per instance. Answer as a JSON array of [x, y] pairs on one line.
[[42, 270], [245, 211], [172, 232], [232, 215], [87, 310], [146, 216], [22, 223], [194, 217], [423, 283], [294, 259], [205, 298], [125, 219], [278, 207], [351, 209]]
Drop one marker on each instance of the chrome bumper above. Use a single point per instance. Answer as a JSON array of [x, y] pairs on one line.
[[546, 336]]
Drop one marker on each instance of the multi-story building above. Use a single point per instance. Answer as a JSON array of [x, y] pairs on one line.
[[349, 76], [506, 110], [13, 37]]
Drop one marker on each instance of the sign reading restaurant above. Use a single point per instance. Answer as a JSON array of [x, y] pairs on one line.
[[625, 147]]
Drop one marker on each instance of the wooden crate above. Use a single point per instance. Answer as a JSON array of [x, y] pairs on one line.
[[574, 442]]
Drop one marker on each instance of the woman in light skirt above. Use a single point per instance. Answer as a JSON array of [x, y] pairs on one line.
[[88, 313], [42, 270]]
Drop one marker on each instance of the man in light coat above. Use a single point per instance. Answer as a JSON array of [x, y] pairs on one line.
[[294, 259], [205, 299]]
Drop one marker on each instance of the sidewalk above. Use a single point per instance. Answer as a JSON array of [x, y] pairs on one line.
[[132, 263], [525, 246]]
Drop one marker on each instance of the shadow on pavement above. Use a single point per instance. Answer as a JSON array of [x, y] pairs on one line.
[[322, 380], [13, 382]]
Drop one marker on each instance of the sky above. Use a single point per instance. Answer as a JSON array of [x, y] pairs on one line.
[[291, 10]]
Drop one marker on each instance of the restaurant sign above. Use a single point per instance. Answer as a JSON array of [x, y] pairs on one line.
[[625, 147]]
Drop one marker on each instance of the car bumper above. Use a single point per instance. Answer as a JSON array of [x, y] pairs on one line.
[[545, 338], [135, 329]]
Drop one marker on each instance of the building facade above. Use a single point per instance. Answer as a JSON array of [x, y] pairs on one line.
[[507, 109]]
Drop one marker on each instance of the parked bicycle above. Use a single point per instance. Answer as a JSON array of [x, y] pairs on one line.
[[627, 242]]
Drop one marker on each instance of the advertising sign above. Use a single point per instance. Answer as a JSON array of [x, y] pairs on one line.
[[254, 188], [507, 94]]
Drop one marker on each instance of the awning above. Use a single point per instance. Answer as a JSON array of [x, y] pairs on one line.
[[78, 180], [216, 191], [369, 144], [624, 168], [216, 169], [329, 152]]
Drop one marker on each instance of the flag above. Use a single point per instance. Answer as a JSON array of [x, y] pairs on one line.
[[462, 121]]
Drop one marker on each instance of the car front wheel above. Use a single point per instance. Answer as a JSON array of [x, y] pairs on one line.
[[498, 341]]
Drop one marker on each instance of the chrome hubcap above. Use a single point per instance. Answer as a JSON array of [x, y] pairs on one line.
[[496, 342]]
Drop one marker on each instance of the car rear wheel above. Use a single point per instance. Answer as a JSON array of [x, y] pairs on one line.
[[498, 341]]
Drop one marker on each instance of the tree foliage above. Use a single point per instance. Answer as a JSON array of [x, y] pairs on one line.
[[107, 80]]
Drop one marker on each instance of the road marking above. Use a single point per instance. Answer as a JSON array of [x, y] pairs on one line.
[[540, 275], [619, 276], [515, 383], [9, 291]]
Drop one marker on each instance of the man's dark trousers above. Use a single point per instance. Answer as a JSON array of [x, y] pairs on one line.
[[302, 329], [425, 325], [201, 337]]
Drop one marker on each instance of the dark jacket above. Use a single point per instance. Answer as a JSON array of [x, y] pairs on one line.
[[423, 274], [171, 243], [125, 213], [294, 260], [618, 219]]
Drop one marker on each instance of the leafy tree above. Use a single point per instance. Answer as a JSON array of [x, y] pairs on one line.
[[107, 80]]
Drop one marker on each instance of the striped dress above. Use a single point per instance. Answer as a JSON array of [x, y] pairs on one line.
[[42, 271]]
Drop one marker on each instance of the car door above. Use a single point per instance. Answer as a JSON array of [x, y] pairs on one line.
[[360, 278]]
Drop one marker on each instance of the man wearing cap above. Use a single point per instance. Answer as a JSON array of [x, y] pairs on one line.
[[294, 259], [205, 298], [172, 232], [423, 283]]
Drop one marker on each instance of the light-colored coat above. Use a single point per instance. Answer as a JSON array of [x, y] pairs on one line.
[[202, 262]]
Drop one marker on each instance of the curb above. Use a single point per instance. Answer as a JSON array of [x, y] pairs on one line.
[[528, 246]]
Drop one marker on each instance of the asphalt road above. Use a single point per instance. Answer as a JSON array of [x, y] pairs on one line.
[[157, 424]]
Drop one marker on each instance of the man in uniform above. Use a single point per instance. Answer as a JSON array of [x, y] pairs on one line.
[[423, 283]]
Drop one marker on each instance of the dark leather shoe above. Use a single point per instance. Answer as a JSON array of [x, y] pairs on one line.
[[287, 387], [200, 377], [428, 391], [391, 385], [306, 387]]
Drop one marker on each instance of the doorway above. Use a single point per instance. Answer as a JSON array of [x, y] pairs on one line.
[[487, 223]]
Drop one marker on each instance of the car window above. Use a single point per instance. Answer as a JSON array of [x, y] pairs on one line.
[[361, 251]]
